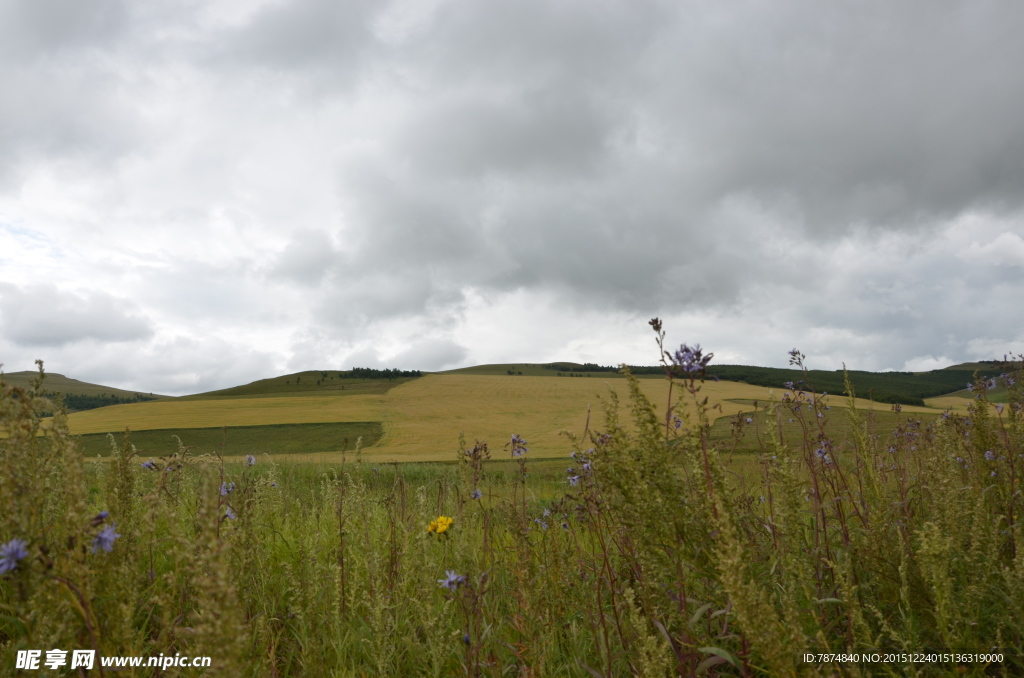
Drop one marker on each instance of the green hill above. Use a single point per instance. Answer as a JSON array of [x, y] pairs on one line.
[[323, 382], [79, 395], [907, 388]]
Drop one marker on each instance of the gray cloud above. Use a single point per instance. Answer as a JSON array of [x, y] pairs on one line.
[[42, 315], [308, 180]]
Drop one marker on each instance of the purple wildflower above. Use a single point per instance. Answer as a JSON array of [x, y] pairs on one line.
[[226, 489], [104, 539], [518, 446], [789, 385], [250, 460], [452, 580], [990, 455], [573, 480], [691, 360], [476, 494], [151, 465], [11, 553], [749, 420], [229, 513]]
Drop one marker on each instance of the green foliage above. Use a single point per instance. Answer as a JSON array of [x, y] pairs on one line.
[[80, 402], [647, 558]]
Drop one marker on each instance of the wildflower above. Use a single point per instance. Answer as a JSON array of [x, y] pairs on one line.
[[749, 420], [518, 446], [273, 484], [999, 408], [465, 638], [101, 516], [476, 494], [250, 460], [946, 415], [573, 480], [970, 387], [543, 525], [586, 466], [452, 581], [11, 553], [991, 384], [226, 489], [440, 525], [788, 385], [990, 455], [547, 512], [677, 422], [692, 360], [151, 465], [105, 539]]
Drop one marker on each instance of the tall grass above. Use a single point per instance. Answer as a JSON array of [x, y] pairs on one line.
[[643, 555]]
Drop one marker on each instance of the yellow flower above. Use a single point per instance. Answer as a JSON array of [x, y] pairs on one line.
[[440, 525]]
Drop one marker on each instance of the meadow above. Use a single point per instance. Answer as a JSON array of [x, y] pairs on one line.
[[670, 537], [421, 419]]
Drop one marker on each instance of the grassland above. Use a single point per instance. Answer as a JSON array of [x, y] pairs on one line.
[[235, 441], [653, 555], [422, 418]]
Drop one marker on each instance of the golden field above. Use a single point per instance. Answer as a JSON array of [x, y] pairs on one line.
[[422, 418]]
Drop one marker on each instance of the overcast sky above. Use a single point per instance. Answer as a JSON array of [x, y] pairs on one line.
[[198, 194]]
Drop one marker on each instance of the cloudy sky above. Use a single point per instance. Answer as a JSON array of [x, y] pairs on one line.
[[197, 194]]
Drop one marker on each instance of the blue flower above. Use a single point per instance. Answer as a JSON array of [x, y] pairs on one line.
[[250, 460], [691, 360], [518, 446], [476, 494], [573, 480], [749, 420], [101, 516], [229, 513], [151, 465], [452, 580], [226, 489], [104, 539], [788, 385], [11, 553], [990, 455]]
